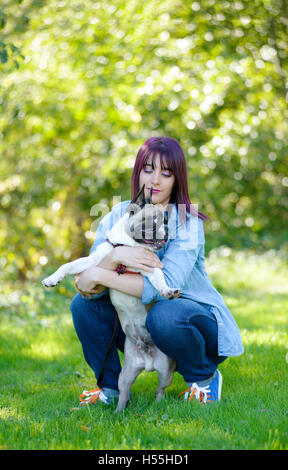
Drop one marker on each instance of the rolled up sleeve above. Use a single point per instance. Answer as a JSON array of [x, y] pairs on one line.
[[178, 260], [106, 224]]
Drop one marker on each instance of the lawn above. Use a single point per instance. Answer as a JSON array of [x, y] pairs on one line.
[[42, 373]]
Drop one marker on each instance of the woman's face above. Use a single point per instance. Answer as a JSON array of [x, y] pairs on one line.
[[161, 180]]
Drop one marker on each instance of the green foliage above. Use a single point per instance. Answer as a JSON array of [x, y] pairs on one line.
[[99, 78], [43, 372], [10, 24]]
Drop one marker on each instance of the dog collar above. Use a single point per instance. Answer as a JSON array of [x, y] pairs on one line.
[[121, 269], [114, 244]]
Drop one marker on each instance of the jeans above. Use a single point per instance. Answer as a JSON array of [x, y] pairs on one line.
[[183, 329]]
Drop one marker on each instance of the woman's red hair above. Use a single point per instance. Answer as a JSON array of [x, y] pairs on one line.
[[171, 156]]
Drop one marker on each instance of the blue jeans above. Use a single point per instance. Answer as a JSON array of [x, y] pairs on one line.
[[184, 330]]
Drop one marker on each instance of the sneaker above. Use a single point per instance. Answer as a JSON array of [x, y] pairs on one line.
[[92, 397], [209, 393]]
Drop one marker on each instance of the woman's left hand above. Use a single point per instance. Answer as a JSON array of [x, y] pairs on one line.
[[86, 282]]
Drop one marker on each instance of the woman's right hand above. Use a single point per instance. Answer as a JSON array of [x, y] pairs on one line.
[[136, 257]]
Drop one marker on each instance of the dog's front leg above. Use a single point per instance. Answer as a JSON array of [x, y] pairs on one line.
[[158, 281], [79, 265], [74, 267]]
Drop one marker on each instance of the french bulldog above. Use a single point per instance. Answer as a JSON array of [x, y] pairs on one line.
[[142, 225]]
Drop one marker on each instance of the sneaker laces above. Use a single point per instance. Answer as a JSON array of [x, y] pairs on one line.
[[88, 397], [200, 393]]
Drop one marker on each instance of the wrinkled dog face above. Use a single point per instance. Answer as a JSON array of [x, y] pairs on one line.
[[147, 224]]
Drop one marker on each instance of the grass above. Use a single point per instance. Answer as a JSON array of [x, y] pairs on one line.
[[42, 373]]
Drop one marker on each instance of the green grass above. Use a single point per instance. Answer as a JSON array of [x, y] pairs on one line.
[[42, 373]]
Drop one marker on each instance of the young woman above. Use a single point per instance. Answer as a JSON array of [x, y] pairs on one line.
[[196, 329]]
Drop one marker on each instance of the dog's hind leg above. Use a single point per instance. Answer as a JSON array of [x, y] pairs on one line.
[[165, 367], [132, 367], [126, 379]]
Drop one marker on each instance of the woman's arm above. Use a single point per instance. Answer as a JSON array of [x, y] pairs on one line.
[[88, 280], [131, 284], [109, 261], [95, 280], [135, 257], [179, 259]]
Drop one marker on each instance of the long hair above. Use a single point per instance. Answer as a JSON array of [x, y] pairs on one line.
[[171, 155]]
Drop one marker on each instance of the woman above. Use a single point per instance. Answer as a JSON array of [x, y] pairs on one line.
[[196, 329]]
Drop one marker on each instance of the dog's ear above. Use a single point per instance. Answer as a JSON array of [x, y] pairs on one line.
[[133, 209], [149, 198], [139, 198]]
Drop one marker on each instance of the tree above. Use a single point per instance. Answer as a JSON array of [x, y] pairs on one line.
[[99, 78]]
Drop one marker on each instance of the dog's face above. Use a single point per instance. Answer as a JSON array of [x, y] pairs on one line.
[[147, 224]]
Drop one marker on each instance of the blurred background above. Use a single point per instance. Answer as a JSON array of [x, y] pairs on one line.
[[84, 84]]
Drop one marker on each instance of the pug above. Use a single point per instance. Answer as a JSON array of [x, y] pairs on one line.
[[144, 224]]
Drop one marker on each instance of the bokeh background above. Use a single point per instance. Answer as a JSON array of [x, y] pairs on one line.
[[84, 84]]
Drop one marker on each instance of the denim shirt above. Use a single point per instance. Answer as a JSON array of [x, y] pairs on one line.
[[183, 258]]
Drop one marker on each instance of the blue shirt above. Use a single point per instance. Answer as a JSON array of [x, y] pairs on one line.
[[183, 257]]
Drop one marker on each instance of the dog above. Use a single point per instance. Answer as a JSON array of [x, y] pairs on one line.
[[144, 224]]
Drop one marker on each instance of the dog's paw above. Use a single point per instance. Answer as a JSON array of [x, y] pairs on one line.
[[50, 281], [170, 293]]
